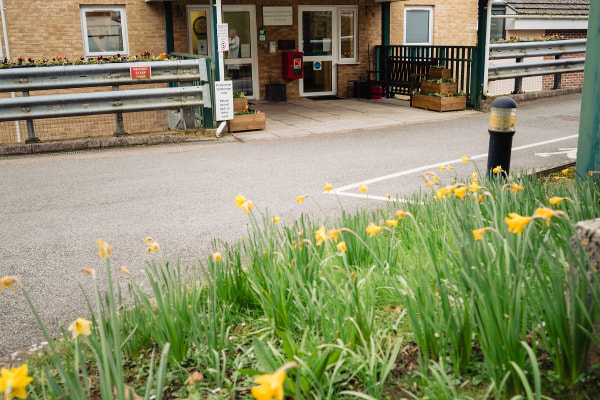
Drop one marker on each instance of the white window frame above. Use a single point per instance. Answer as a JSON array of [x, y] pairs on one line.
[[86, 46], [353, 60], [419, 8]]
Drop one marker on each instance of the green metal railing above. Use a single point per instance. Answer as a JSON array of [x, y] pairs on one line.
[[205, 114], [458, 58]]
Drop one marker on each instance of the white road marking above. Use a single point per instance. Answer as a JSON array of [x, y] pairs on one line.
[[437, 165], [570, 152]]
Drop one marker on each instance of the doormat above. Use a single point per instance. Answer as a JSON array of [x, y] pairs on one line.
[[325, 98]]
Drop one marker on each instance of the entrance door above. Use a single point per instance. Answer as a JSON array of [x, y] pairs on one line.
[[241, 63], [318, 42]]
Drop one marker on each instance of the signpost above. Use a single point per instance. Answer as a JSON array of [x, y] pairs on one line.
[[224, 100]]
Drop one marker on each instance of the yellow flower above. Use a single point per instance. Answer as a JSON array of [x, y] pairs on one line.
[[80, 326], [276, 220], [341, 246], [103, 248], [334, 234], [475, 175], [153, 247], [548, 213], [497, 170], [148, 240], [392, 222], [247, 206], [565, 171], [516, 223], [271, 386], [442, 168], [362, 188], [124, 270], [449, 167], [9, 281], [474, 187], [321, 235], [239, 200], [460, 192], [372, 229], [89, 271], [216, 256], [401, 214], [465, 159], [300, 199], [555, 201], [514, 187], [13, 382], [478, 233], [445, 191], [328, 187]]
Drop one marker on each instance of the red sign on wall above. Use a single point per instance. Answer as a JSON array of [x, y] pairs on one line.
[[140, 72]]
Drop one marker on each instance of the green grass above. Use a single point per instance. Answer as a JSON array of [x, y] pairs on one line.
[[418, 310]]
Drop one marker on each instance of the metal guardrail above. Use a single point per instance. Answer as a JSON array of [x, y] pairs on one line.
[[192, 76], [522, 50]]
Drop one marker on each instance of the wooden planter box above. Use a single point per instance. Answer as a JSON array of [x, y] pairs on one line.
[[239, 103], [437, 87], [439, 73], [247, 122], [439, 103]]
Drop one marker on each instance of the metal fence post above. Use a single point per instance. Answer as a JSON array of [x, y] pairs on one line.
[[558, 76], [518, 81], [31, 138], [119, 120]]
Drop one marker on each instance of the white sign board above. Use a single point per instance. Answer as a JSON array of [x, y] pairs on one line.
[[223, 37], [224, 100], [283, 15]]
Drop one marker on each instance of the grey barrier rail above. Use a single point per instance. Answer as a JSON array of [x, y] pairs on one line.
[[521, 50], [192, 76]]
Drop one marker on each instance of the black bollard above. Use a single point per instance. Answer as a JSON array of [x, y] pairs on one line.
[[503, 116]]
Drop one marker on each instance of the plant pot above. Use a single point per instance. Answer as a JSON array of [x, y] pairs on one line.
[[247, 122], [437, 87], [239, 103], [435, 103], [439, 73]]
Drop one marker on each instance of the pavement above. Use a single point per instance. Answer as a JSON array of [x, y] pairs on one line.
[[293, 118]]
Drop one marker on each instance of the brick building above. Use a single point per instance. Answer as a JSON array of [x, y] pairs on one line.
[[335, 36]]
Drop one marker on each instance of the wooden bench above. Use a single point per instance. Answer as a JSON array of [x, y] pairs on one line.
[[400, 73]]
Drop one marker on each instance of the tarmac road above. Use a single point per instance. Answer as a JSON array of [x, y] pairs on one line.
[[53, 206]]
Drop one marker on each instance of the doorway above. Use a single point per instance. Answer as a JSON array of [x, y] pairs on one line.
[[241, 61], [318, 40]]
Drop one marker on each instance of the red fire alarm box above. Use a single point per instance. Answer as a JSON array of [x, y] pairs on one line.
[[292, 65]]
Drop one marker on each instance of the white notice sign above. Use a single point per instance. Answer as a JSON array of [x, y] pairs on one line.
[[224, 100], [223, 37]]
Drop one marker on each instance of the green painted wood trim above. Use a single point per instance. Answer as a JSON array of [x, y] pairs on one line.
[[169, 41], [385, 23], [588, 146], [478, 70]]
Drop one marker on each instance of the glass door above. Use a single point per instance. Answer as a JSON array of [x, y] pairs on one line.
[[241, 65], [318, 42]]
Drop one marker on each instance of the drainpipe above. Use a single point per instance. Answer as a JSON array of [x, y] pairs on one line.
[[5, 34], [488, 24]]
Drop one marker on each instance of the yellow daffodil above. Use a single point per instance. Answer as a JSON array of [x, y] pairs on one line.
[[497, 169], [334, 234], [474, 176], [276, 220], [300, 199], [591, 173], [341, 246], [13, 383], [89, 271], [328, 187], [465, 159], [321, 235], [449, 167], [104, 249], [392, 222], [80, 326], [124, 270], [362, 188], [247, 206], [429, 184], [483, 196], [513, 186], [474, 187], [239, 200], [217, 256], [152, 247], [372, 229], [555, 201], [548, 213], [445, 191], [442, 168], [478, 233], [516, 223], [460, 192], [565, 171], [148, 240], [9, 281], [271, 386], [401, 214]]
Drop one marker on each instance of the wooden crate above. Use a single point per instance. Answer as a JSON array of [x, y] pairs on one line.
[[239, 103], [437, 87], [247, 122], [439, 73], [439, 103]]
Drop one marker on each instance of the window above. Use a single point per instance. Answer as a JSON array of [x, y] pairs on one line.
[[348, 37], [418, 25], [104, 30], [497, 24]]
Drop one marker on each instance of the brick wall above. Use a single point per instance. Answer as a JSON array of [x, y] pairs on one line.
[[574, 79]]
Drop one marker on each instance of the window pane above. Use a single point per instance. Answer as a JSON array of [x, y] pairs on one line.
[[239, 34], [417, 26], [497, 24], [104, 31], [316, 33], [199, 24], [347, 34], [241, 75]]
